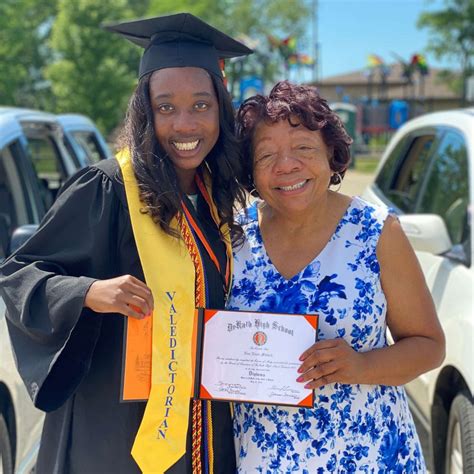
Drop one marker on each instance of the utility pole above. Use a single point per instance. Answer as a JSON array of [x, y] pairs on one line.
[[316, 50]]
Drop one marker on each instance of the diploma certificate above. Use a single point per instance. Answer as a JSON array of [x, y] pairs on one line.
[[252, 357]]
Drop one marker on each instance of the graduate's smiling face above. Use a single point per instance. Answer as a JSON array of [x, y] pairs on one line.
[[186, 117]]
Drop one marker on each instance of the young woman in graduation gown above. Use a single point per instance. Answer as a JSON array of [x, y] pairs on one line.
[[122, 239]]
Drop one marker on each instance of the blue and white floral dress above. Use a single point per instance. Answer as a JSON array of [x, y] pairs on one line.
[[352, 428]]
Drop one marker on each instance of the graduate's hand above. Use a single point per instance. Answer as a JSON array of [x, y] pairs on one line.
[[330, 361], [125, 295]]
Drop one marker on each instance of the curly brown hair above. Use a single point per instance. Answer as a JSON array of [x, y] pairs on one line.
[[155, 173], [288, 101]]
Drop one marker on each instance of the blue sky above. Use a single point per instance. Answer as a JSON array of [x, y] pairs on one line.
[[349, 30]]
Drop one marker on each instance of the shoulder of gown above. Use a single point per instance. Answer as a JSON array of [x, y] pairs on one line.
[[45, 282]]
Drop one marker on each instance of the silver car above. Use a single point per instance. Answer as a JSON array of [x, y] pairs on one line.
[[36, 156], [82, 139]]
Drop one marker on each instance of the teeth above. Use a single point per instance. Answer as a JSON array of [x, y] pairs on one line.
[[186, 146], [295, 186]]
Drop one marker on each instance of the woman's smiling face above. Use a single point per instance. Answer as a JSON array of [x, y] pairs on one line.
[[290, 166], [186, 117]]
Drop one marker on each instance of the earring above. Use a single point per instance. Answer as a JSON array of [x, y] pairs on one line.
[[253, 191], [336, 179]]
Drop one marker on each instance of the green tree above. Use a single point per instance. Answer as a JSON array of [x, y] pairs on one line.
[[55, 56], [452, 35], [95, 70], [255, 19], [25, 26]]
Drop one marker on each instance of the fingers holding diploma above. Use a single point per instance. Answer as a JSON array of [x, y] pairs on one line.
[[330, 361]]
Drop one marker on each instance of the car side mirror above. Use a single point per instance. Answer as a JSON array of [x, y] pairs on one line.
[[20, 236], [426, 232]]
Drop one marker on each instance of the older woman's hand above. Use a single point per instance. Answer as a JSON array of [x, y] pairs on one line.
[[331, 361]]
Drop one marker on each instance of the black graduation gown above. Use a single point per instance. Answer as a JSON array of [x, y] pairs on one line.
[[69, 357]]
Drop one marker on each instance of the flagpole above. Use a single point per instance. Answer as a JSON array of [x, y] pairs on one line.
[[316, 57]]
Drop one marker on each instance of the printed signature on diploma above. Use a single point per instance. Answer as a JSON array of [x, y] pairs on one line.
[[231, 388], [284, 391]]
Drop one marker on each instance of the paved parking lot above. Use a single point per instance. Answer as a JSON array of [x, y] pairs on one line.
[[355, 182]]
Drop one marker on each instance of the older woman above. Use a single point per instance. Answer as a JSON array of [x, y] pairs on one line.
[[310, 249]]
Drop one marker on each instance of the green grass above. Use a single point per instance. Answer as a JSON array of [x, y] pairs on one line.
[[366, 164]]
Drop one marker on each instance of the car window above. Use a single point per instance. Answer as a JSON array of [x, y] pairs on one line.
[[88, 142], [447, 188], [48, 165], [384, 178], [77, 154], [404, 188], [13, 202]]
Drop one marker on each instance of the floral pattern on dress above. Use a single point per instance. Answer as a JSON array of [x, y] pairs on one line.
[[351, 428]]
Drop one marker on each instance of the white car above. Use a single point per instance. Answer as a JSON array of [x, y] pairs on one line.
[[427, 175]]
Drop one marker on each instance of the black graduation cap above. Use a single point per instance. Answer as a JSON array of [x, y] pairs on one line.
[[178, 41]]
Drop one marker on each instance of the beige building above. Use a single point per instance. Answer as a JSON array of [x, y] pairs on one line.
[[425, 94]]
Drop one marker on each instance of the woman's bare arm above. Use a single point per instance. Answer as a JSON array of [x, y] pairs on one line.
[[411, 317]]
